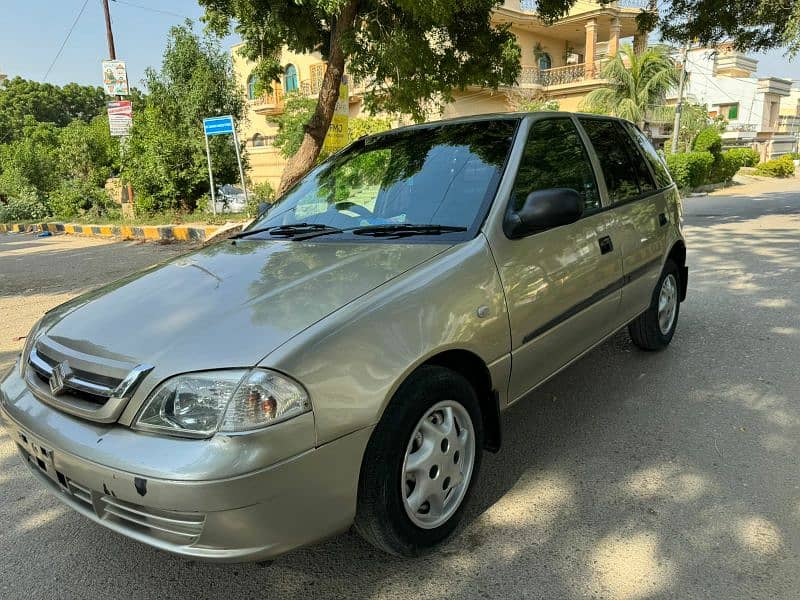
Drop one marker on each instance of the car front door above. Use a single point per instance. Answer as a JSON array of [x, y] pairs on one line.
[[561, 284], [640, 208]]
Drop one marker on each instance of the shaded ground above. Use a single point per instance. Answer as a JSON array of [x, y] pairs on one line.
[[630, 475]]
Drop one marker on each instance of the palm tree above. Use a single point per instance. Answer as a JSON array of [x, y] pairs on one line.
[[636, 83]]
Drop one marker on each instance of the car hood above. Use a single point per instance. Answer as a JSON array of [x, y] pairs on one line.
[[228, 305]]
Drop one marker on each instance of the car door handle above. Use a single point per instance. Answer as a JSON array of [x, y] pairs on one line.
[[662, 219], [606, 245]]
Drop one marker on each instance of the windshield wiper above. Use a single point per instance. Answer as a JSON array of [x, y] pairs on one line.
[[291, 230], [405, 229]]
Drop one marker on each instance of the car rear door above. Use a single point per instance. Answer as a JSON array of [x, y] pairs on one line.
[[639, 208], [561, 284]]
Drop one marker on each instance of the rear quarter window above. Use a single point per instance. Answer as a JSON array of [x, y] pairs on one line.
[[663, 178]]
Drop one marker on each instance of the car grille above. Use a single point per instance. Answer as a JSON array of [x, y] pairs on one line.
[[81, 385]]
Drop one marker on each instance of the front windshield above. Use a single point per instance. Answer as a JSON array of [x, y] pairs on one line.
[[442, 174]]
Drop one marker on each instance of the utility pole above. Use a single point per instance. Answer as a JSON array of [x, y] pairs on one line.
[[676, 126], [112, 54]]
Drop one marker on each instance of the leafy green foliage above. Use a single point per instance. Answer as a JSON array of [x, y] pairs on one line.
[[261, 192], [361, 126], [26, 205], [724, 168], [165, 159], [708, 140], [690, 169], [749, 24], [539, 105], [409, 52], [635, 83], [88, 152], [79, 198], [694, 119], [778, 167], [31, 161], [21, 100], [291, 123], [745, 157]]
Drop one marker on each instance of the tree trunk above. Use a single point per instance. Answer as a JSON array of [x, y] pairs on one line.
[[317, 127]]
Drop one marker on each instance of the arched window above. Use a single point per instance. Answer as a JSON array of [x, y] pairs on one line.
[[251, 87], [544, 61], [258, 140], [290, 81]]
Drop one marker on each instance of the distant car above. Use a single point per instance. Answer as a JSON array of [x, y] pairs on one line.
[[230, 199], [346, 358]]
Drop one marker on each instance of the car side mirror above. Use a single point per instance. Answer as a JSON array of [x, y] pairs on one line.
[[544, 209], [263, 207]]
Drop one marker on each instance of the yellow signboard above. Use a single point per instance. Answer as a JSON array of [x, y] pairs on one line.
[[337, 133]]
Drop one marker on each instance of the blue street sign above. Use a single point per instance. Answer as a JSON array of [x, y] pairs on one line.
[[218, 125]]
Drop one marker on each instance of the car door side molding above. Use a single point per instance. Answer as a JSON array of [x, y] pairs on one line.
[[594, 298]]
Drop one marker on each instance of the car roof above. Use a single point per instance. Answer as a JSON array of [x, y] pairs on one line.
[[507, 116]]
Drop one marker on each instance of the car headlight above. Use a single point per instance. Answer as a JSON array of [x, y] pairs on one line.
[[30, 340], [200, 404]]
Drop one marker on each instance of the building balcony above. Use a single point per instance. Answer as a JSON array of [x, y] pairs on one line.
[[274, 102], [531, 7], [576, 75], [774, 85]]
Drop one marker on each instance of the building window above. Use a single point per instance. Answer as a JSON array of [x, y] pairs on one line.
[[251, 87], [290, 81], [259, 141], [729, 111], [544, 61]]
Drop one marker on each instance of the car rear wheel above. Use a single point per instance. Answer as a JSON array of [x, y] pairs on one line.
[[420, 463], [654, 328]]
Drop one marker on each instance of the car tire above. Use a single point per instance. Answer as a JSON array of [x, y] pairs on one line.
[[430, 435], [654, 328]]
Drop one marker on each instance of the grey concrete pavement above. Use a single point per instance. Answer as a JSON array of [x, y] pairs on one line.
[[630, 475]]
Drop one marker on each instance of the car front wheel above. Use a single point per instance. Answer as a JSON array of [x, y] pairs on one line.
[[420, 463]]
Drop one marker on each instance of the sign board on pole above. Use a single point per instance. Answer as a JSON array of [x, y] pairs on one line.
[[221, 126], [337, 136], [218, 125], [120, 117], [115, 78]]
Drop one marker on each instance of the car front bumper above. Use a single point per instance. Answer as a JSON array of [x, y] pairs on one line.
[[252, 515]]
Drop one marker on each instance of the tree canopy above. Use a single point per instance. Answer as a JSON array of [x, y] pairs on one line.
[[636, 82], [165, 159], [748, 24], [45, 103], [408, 53]]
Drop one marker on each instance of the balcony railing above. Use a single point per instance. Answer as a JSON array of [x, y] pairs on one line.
[[643, 4], [555, 76]]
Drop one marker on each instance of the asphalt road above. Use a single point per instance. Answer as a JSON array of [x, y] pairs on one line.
[[628, 476]]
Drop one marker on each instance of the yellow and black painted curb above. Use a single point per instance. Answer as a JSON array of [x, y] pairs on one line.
[[185, 233]]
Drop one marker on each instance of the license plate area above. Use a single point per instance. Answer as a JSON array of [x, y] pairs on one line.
[[41, 457]]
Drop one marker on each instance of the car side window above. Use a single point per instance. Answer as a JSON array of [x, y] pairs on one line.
[[620, 170], [656, 163], [554, 157]]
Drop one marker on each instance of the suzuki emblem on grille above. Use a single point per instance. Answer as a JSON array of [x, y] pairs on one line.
[[58, 378]]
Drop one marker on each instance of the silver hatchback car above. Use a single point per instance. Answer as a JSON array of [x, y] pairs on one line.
[[345, 360]]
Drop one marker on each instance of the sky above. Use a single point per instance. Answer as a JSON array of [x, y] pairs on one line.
[[34, 30]]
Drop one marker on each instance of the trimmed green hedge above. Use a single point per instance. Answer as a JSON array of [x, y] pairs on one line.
[[690, 169], [708, 140], [779, 167], [747, 157]]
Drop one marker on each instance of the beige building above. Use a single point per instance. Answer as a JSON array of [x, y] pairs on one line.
[[559, 62]]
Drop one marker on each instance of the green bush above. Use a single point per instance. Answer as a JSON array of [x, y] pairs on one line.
[[26, 206], [794, 155], [76, 198], [261, 192], [779, 167], [746, 157], [690, 169], [725, 167], [708, 140]]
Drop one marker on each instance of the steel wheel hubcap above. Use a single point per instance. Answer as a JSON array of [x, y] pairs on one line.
[[667, 303], [438, 464]]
